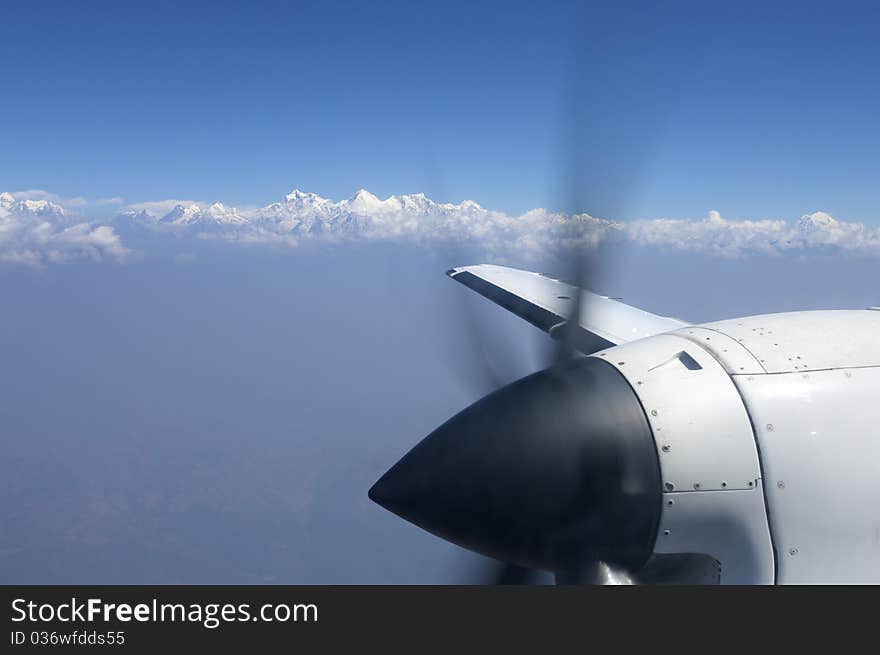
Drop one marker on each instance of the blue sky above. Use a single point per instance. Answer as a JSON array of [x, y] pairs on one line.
[[755, 110]]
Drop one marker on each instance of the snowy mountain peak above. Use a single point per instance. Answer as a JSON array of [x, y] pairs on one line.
[[297, 196], [364, 195], [38, 208], [364, 198], [220, 213], [182, 214], [417, 202], [41, 207], [137, 214], [364, 203], [816, 221]]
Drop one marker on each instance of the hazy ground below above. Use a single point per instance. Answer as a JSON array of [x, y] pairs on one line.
[[219, 419]]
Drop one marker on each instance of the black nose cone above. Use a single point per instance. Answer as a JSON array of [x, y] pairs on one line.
[[553, 471]]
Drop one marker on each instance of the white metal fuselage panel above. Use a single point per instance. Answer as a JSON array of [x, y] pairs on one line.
[[820, 452], [807, 341]]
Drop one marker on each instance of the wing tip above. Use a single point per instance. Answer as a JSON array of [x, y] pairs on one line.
[[452, 272]]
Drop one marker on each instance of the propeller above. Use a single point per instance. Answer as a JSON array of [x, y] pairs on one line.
[[556, 471], [482, 365]]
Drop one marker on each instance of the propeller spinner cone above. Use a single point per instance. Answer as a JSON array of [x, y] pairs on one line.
[[555, 471]]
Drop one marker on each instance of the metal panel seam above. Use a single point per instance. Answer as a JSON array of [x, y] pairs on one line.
[[760, 460], [807, 370], [724, 334]]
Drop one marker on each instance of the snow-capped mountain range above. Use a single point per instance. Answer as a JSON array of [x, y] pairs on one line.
[[36, 208], [39, 230], [310, 213]]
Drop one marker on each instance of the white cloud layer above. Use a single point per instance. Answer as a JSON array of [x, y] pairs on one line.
[[35, 229]]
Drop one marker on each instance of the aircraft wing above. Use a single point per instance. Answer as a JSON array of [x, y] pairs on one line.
[[545, 303]]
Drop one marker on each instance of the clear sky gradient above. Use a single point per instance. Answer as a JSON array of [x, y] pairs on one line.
[[755, 110]]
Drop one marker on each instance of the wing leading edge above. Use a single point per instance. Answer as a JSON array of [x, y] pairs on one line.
[[545, 302]]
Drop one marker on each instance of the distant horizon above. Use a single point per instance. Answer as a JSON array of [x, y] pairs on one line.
[[38, 230], [84, 206]]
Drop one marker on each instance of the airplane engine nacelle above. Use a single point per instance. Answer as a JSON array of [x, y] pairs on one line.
[[768, 444], [713, 498]]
